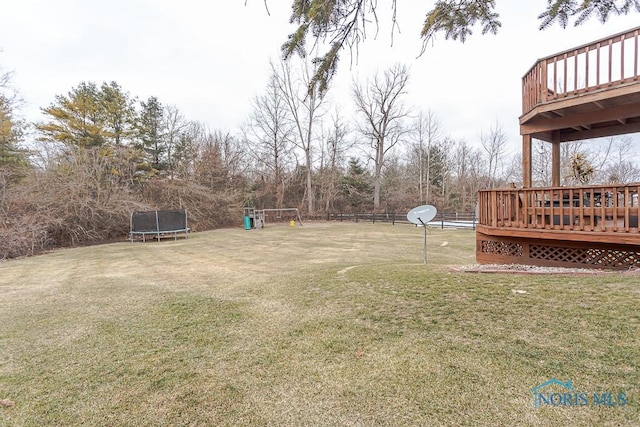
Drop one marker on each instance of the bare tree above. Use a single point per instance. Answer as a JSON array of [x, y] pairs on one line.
[[513, 169], [174, 124], [541, 163], [620, 169], [383, 112], [494, 144], [305, 107], [216, 156], [427, 131], [335, 142], [577, 158], [397, 195], [334, 147], [269, 134], [469, 169], [234, 155], [440, 176]]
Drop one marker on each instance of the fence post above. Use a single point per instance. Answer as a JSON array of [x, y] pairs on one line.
[[393, 218], [373, 217]]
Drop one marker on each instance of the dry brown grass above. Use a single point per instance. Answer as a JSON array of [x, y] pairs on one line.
[[325, 324]]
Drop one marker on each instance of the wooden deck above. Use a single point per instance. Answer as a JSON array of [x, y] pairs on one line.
[[586, 92], [591, 226]]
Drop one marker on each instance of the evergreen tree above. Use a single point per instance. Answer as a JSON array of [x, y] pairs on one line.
[[90, 117], [150, 133], [13, 159], [357, 186], [119, 114], [11, 129], [77, 119]]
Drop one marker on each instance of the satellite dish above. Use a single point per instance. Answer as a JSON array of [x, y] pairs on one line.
[[421, 215]]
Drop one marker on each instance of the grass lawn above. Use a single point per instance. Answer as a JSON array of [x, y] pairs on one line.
[[321, 325]]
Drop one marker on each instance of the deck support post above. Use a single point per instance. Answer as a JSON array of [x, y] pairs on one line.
[[555, 158], [526, 161]]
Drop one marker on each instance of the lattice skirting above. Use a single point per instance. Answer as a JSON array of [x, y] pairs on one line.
[[491, 250]]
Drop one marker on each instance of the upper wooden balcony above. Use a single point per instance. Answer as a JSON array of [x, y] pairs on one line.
[[587, 92]]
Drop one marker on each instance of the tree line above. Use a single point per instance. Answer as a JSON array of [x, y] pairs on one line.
[[101, 152]]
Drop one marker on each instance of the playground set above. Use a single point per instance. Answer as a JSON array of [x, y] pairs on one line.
[[257, 218]]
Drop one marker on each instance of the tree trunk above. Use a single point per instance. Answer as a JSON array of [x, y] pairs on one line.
[[377, 179]]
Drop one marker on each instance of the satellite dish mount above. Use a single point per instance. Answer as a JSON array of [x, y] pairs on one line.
[[422, 215]]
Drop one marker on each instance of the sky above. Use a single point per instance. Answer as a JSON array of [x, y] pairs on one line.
[[211, 58]]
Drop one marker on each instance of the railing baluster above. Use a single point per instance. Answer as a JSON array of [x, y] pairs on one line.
[[565, 86], [586, 68], [555, 76], [622, 40], [598, 65], [575, 72], [636, 36], [626, 210], [610, 61]]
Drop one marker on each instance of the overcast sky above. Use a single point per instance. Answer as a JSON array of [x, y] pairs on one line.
[[211, 58]]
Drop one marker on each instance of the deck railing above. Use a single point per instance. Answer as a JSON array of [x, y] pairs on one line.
[[607, 208], [613, 61]]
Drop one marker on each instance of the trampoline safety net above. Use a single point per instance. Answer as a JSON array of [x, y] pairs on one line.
[[157, 222]]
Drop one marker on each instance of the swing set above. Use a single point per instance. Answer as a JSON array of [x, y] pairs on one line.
[[257, 218]]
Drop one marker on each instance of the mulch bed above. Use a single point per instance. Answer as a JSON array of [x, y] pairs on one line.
[[533, 269]]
